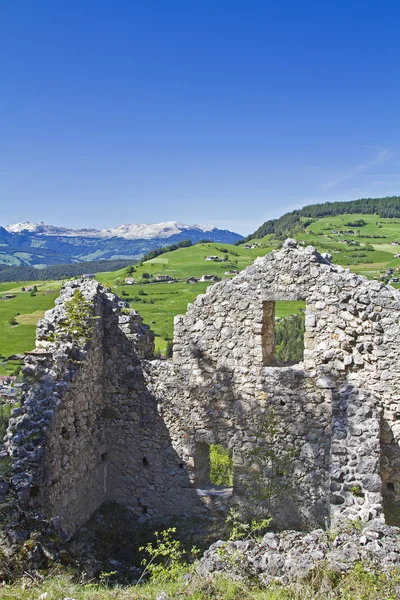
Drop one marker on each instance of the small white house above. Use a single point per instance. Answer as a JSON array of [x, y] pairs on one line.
[[163, 278]]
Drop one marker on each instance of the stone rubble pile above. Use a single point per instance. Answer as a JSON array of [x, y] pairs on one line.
[[283, 557]]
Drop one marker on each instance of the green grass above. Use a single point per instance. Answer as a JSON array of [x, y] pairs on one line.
[[359, 583], [191, 262], [162, 301], [20, 338]]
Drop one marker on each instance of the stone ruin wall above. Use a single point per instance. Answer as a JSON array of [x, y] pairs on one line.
[[331, 430], [89, 431], [102, 422]]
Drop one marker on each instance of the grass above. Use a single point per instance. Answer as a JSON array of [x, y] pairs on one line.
[[358, 584], [26, 311], [159, 303]]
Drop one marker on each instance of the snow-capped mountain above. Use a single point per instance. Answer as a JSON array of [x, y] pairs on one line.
[[129, 231], [41, 228], [151, 230], [39, 244]]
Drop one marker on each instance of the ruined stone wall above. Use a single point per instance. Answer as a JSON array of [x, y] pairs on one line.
[[325, 412], [57, 438], [145, 473], [89, 431], [104, 422]]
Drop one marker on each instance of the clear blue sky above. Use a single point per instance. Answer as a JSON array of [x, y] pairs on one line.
[[217, 111]]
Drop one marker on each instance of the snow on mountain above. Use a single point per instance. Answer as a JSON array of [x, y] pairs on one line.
[[44, 229], [128, 231], [152, 230]]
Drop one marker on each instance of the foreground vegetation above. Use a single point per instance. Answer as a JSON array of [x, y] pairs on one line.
[[358, 584]]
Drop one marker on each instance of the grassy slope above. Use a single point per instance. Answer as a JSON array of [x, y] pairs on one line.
[[162, 301], [375, 262], [19, 338]]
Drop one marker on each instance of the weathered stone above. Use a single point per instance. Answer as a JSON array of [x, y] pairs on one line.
[[112, 424]]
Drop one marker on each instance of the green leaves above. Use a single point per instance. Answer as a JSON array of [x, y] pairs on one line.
[[167, 557], [78, 323]]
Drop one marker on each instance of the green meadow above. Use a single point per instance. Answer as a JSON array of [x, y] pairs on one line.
[[19, 315], [370, 252]]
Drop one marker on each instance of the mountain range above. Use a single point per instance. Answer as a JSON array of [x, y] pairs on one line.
[[39, 244]]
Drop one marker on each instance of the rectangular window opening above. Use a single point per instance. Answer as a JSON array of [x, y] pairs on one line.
[[221, 465], [283, 331], [213, 466]]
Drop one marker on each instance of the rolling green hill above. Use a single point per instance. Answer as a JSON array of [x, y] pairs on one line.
[[362, 242], [368, 250], [158, 303]]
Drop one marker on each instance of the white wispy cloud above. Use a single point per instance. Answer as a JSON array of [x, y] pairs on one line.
[[381, 157]]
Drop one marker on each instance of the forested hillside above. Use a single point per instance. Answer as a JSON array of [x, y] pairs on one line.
[[63, 271], [297, 220]]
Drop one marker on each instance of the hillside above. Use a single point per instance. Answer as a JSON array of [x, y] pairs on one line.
[[369, 250], [60, 271], [295, 221], [39, 245]]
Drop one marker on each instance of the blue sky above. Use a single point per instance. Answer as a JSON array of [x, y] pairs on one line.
[[226, 112]]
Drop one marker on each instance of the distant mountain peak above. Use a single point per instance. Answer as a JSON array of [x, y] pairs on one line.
[[130, 231], [39, 244]]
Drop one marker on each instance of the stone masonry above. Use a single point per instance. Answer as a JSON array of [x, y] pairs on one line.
[[102, 421]]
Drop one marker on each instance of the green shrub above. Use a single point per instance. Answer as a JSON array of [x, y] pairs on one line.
[[221, 465]]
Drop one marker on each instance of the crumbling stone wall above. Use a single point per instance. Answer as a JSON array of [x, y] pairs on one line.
[[327, 411], [89, 431], [102, 421]]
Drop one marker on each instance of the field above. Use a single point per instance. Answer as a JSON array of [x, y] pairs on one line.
[[368, 251], [25, 310], [158, 303]]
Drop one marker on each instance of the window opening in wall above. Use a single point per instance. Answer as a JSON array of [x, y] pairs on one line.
[[104, 457], [145, 461], [283, 332], [221, 465], [213, 464]]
